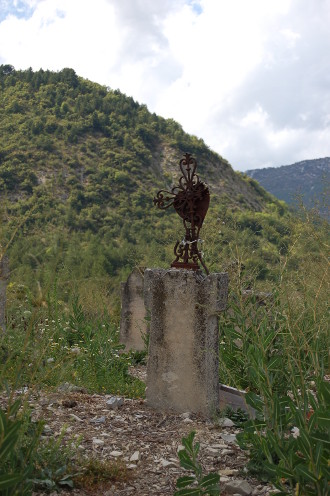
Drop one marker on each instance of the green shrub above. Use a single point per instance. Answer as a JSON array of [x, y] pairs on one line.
[[289, 440], [195, 484], [26, 461]]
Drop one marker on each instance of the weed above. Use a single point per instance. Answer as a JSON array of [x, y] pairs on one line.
[[239, 416], [95, 472], [196, 484]]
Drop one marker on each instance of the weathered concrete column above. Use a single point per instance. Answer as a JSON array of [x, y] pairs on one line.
[[182, 371], [133, 324], [4, 276]]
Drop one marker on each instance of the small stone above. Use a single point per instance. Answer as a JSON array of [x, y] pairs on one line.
[[187, 421], [99, 420], [226, 422], [98, 442], [240, 487], [167, 464], [116, 454], [227, 452], [75, 417], [213, 451], [218, 446], [229, 438], [185, 415], [50, 360], [135, 457], [75, 350], [228, 471], [47, 431], [66, 387], [114, 402], [180, 448], [131, 466]]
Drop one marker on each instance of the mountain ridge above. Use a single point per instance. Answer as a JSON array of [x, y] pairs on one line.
[[305, 180]]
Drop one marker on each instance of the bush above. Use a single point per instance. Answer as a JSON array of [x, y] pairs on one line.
[[279, 353], [26, 462]]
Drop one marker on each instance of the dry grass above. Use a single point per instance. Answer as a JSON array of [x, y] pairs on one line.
[[101, 474]]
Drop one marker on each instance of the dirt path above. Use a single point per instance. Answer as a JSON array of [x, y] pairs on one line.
[[147, 441]]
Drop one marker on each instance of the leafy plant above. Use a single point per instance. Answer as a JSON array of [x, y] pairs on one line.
[[54, 463], [28, 462], [53, 479], [19, 440], [196, 484], [239, 416], [290, 444], [278, 352]]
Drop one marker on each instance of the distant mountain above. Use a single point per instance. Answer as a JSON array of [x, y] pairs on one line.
[[308, 179]]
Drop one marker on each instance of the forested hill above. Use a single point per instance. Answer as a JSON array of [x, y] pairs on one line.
[[307, 180], [79, 166], [84, 140]]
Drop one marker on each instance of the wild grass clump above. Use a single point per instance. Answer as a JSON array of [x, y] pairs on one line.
[[31, 462], [95, 473], [28, 460], [277, 350], [47, 346]]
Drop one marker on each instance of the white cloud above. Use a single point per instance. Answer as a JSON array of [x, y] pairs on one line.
[[251, 78]]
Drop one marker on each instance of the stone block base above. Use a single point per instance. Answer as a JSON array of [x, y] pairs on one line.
[[133, 324], [182, 370]]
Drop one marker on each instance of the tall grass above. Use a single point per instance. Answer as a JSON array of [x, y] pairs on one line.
[[44, 347], [278, 352], [49, 345]]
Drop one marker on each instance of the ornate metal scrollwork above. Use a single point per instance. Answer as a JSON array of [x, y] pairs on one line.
[[190, 200]]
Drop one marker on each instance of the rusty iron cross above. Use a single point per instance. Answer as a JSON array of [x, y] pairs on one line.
[[190, 200]]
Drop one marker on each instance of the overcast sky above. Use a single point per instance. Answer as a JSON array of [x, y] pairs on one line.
[[250, 77]]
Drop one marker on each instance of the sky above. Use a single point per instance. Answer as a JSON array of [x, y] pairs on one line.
[[249, 77]]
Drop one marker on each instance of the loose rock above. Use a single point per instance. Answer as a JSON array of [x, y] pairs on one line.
[[167, 464], [98, 442], [185, 415], [47, 431], [226, 422], [116, 454], [229, 438], [227, 471], [114, 402], [135, 457], [75, 417], [240, 487], [99, 420]]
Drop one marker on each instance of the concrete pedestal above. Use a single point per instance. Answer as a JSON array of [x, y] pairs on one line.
[[182, 371], [133, 324]]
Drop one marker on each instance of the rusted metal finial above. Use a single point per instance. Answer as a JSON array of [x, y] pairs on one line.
[[191, 201]]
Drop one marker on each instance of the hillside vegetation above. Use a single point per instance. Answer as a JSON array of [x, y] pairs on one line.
[[79, 166]]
